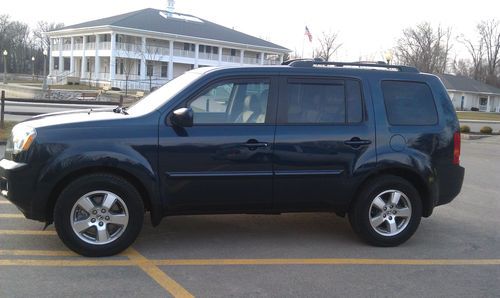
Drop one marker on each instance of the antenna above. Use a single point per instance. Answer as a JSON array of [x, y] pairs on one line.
[[170, 7]]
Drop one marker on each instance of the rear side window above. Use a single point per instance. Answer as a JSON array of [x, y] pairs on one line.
[[321, 102], [409, 103]]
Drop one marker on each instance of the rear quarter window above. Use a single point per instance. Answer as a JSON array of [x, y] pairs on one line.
[[409, 103]]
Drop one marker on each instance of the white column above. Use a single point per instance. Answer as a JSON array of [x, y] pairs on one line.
[[112, 59], [72, 58], [61, 59], [262, 58], [170, 74], [242, 54], [196, 54], [143, 58], [84, 58], [97, 60], [488, 104], [220, 56], [51, 60], [281, 59]]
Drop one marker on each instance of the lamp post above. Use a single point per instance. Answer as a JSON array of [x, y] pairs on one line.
[[44, 70], [5, 53], [33, 68], [388, 57]]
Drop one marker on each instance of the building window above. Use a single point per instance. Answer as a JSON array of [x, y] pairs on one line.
[[233, 52], [201, 48], [164, 70], [56, 63], [138, 67], [208, 49], [88, 66], [121, 67], [67, 63], [215, 50]]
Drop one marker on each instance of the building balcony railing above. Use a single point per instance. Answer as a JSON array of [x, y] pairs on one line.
[[271, 62], [104, 45], [155, 52], [66, 47], [77, 46], [183, 53], [208, 56], [90, 46], [227, 58], [129, 47], [248, 60]]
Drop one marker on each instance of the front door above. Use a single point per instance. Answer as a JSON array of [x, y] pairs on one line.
[[323, 137], [223, 162]]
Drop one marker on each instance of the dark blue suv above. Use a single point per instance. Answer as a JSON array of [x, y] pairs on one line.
[[377, 142]]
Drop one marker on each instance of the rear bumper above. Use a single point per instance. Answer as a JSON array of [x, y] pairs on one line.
[[450, 183], [17, 185]]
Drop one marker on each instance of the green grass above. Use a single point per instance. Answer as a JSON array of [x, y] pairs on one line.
[[478, 116], [5, 132]]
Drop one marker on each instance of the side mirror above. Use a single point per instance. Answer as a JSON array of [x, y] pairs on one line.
[[182, 117]]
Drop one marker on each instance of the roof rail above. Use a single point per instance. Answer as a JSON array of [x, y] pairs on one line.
[[379, 64]]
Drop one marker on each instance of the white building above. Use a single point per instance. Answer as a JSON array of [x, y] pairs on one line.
[[467, 93], [150, 45]]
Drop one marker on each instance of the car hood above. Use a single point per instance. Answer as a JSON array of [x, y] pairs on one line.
[[83, 116]]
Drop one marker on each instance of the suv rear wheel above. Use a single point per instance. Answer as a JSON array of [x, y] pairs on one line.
[[387, 212], [99, 215]]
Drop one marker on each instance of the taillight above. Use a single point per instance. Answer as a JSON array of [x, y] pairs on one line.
[[456, 148]]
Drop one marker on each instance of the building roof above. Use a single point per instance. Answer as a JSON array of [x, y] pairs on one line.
[[155, 20], [466, 84]]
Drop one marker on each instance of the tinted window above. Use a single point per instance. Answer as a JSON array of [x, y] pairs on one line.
[[409, 103], [235, 102], [321, 101]]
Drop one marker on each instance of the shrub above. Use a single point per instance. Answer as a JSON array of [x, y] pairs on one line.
[[474, 109], [464, 128], [486, 130]]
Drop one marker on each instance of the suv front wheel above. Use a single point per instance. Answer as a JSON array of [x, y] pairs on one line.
[[387, 212], [99, 215]]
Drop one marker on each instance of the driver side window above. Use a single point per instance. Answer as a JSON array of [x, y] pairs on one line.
[[232, 102]]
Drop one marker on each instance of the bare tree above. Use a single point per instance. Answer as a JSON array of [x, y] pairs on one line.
[[489, 32], [476, 51], [328, 45], [151, 53], [425, 47]]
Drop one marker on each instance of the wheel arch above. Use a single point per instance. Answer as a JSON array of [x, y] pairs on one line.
[[423, 188], [146, 195]]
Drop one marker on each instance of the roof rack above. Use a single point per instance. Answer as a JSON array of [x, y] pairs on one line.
[[318, 61]]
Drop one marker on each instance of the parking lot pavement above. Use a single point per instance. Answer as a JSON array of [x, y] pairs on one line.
[[455, 252]]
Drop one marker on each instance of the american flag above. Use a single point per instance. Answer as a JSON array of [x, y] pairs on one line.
[[309, 35]]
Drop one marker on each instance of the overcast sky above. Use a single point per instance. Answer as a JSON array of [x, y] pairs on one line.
[[366, 28]]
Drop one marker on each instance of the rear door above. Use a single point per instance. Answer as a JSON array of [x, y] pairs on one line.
[[324, 141]]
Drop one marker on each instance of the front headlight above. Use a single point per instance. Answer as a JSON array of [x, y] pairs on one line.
[[21, 138]]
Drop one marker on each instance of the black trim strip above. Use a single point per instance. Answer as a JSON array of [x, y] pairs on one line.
[[218, 174], [308, 172]]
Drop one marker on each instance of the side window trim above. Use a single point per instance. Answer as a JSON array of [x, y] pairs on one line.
[[271, 102], [285, 80], [416, 82]]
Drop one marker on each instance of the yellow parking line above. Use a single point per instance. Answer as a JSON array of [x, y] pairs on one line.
[[67, 263], [4, 215], [158, 275], [45, 253], [28, 232], [415, 262]]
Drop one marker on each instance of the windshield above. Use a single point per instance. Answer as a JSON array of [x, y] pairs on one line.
[[161, 96]]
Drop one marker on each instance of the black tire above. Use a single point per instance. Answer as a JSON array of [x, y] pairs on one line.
[[98, 182], [362, 211]]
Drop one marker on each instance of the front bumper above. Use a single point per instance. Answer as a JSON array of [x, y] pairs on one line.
[[17, 185]]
